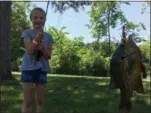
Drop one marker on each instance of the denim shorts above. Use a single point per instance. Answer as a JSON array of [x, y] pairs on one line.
[[34, 76]]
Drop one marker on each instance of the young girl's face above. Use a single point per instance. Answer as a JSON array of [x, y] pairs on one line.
[[38, 19]]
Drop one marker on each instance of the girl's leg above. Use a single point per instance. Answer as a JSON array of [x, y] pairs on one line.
[[27, 80], [27, 103], [40, 90], [40, 82]]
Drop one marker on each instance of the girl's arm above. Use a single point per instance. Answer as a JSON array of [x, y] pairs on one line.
[[30, 46]]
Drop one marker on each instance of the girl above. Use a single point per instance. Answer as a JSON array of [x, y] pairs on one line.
[[35, 67]]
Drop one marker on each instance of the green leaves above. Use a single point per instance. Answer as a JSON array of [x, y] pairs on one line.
[[73, 56], [142, 26], [106, 15], [103, 15], [20, 22], [61, 6], [145, 48], [135, 29], [145, 6]]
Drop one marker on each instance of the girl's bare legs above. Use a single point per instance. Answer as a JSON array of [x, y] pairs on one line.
[[40, 92], [27, 103]]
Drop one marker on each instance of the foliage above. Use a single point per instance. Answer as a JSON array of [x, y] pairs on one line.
[[73, 56], [146, 6], [70, 54], [20, 23], [145, 48], [104, 15], [61, 6]]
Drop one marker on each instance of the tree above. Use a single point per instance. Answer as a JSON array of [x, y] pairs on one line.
[[145, 48], [5, 27], [104, 15], [61, 6], [12, 25], [134, 30], [20, 22], [145, 6], [60, 39], [73, 56]]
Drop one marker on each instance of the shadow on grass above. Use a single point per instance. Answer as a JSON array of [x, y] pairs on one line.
[[81, 95], [74, 95], [11, 96]]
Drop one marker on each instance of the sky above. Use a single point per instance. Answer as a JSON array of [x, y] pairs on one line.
[[75, 22]]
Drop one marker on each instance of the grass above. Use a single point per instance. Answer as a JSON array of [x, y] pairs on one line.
[[74, 94]]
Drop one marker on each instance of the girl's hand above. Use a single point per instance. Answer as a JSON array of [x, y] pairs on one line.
[[39, 37], [46, 52], [41, 47]]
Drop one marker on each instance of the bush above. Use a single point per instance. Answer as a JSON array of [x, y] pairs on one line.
[[15, 65]]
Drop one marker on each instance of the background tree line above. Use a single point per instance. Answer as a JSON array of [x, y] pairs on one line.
[[73, 56]]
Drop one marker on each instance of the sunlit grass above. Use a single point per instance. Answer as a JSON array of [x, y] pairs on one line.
[[74, 94]]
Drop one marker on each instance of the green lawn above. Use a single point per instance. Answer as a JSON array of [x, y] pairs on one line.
[[72, 94]]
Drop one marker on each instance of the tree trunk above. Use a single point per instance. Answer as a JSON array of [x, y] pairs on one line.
[[5, 51], [108, 19]]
